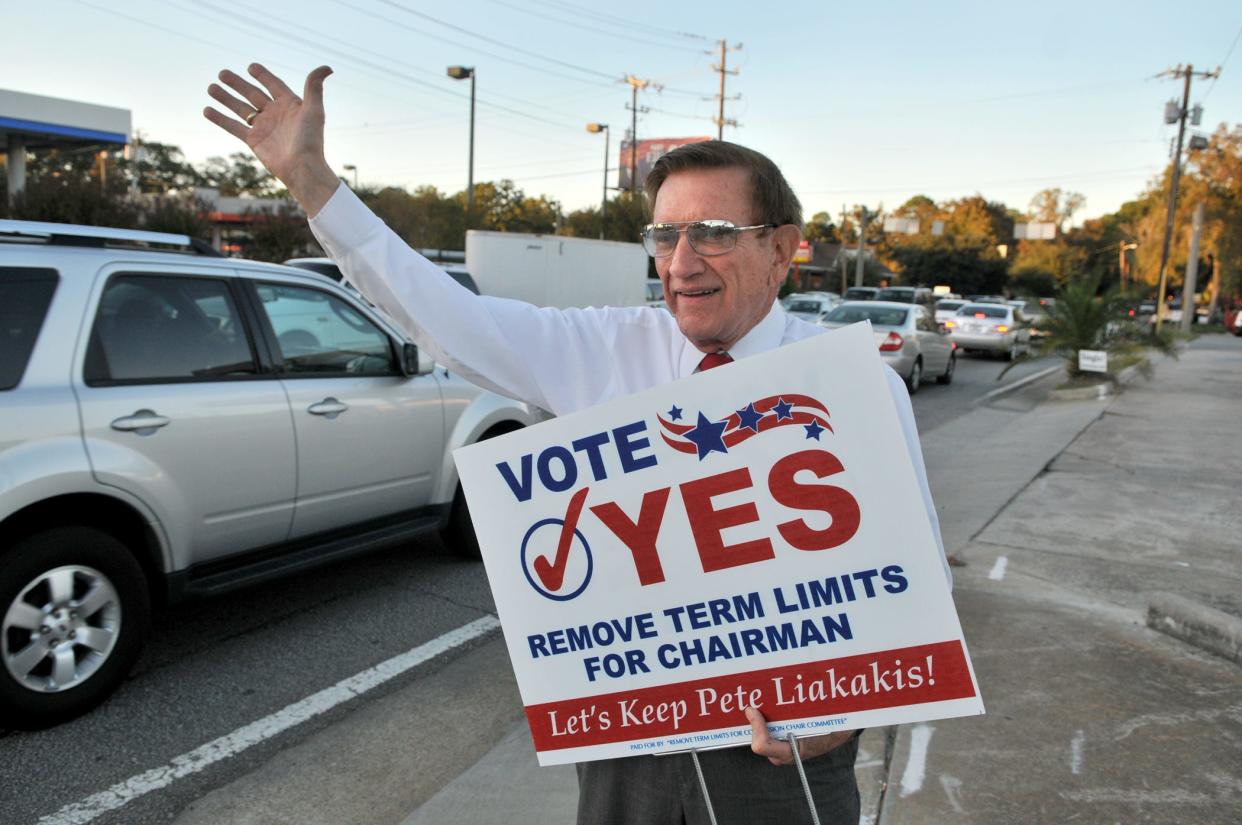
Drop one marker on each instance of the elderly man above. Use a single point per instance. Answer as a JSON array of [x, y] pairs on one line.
[[725, 226]]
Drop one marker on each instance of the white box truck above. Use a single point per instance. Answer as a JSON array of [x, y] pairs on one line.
[[557, 271]]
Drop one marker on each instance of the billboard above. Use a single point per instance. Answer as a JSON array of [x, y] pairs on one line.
[[649, 151]]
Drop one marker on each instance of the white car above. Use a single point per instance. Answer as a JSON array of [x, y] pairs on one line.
[[809, 306], [946, 308], [909, 340], [994, 328]]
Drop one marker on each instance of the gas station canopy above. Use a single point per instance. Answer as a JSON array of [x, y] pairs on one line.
[[35, 122]]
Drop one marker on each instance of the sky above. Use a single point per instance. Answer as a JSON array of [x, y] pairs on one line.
[[858, 103]]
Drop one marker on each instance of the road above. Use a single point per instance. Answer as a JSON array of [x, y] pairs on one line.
[[213, 667]]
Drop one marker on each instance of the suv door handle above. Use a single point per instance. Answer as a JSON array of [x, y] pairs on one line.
[[141, 420], [329, 407]]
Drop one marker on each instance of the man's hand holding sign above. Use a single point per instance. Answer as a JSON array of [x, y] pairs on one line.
[[743, 556]]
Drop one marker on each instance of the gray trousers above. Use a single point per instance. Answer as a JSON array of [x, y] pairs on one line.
[[745, 789]]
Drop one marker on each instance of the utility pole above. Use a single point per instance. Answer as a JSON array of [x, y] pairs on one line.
[[635, 85], [1123, 264], [1192, 270], [1187, 73], [864, 218], [722, 69]]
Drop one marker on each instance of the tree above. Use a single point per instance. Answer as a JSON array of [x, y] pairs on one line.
[[1082, 319], [239, 174], [425, 219], [179, 214], [76, 186], [279, 234], [503, 207], [820, 229], [1055, 206], [161, 168], [625, 219]]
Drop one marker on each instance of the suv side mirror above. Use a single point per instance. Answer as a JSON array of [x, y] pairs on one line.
[[409, 359]]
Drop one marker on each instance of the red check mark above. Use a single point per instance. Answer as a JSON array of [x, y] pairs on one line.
[[552, 574]]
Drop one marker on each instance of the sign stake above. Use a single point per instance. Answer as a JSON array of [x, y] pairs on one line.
[[707, 799], [806, 786]]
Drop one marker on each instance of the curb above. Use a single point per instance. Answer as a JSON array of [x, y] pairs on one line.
[[1102, 391], [1016, 385], [1204, 627]]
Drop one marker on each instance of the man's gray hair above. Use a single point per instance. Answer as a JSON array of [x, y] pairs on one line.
[[774, 200]]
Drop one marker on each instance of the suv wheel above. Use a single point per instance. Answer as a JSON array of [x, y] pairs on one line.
[[75, 610], [459, 534]]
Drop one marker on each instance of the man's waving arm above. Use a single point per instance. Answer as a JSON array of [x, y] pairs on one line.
[[555, 359]]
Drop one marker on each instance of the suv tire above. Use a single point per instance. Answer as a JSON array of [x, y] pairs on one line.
[[459, 533], [85, 562]]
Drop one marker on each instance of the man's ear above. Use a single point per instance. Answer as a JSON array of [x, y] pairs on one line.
[[785, 241]]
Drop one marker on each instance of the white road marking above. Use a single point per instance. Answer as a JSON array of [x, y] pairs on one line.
[[916, 765], [951, 785], [231, 744], [1076, 752], [998, 569]]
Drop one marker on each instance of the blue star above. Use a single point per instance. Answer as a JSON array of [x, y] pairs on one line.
[[813, 430], [675, 413], [783, 410], [749, 418], [706, 435]]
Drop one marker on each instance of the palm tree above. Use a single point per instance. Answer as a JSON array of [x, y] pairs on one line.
[[1082, 320]]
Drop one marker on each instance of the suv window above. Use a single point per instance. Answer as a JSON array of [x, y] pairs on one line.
[[25, 295], [167, 328], [320, 333]]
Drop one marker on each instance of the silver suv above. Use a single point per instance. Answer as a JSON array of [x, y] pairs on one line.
[[174, 423]]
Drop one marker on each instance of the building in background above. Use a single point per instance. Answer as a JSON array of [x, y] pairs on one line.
[[30, 123]]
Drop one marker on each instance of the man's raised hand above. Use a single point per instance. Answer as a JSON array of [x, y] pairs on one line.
[[284, 131]]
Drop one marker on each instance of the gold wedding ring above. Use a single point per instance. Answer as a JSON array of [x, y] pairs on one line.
[[250, 117]]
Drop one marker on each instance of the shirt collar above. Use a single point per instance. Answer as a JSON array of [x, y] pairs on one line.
[[763, 336]]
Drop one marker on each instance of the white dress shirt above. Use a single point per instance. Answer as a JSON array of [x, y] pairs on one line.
[[562, 360]]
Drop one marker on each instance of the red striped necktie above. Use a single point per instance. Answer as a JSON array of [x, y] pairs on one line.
[[713, 360]]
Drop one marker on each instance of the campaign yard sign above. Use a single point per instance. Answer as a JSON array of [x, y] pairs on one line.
[[751, 535]]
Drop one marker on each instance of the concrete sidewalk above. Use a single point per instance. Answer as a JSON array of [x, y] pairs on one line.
[[1070, 516], [1092, 716]]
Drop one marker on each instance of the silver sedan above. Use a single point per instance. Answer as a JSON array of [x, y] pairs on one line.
[[910, 340], [991, 328]]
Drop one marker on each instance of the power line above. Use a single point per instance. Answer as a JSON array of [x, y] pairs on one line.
[[500, 43], [1221, 65], [267, 32], [441, 39], [585, 27], [437, 75], [613, 19]]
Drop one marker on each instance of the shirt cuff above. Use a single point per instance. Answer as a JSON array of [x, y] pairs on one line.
[[344, 221]]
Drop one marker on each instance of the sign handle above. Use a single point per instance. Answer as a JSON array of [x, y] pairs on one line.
[[806, 786], [711, 813]]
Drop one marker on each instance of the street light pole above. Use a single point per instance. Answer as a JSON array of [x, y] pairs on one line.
[[349, 167], [461, 73], [595, 128]]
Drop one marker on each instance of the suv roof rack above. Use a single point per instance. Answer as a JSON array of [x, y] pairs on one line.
[[68, 234]]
